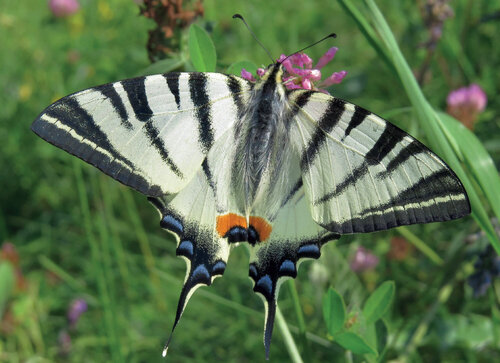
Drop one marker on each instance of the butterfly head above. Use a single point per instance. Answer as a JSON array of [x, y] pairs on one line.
[[274, 71]]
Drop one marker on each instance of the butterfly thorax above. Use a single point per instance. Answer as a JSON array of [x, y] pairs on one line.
[[258, 165]]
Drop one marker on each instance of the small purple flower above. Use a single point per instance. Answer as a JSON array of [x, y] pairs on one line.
[[300, 74], [76, 309], [466, 103], [486, 268], [363, 260], [61, 8]]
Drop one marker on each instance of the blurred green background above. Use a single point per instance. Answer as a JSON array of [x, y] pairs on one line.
[[80, 235]]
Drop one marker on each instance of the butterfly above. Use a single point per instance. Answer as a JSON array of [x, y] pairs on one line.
[[228, 161]]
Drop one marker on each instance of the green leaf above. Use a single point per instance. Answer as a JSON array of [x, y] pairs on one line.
[[201, 49], [333, 311], [382, 333], [354, 343], [7, 280], [163, 66], [236, 67], [378, 302]]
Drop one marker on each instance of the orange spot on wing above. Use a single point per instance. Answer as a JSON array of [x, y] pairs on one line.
[[227, 221], [262, 227]]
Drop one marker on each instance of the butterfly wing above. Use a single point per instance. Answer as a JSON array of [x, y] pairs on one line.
[[150, 133], [363, 174], [190, 216], [295, 236]]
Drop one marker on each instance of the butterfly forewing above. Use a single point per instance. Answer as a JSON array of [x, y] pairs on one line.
[[363, 174], [151, 133]]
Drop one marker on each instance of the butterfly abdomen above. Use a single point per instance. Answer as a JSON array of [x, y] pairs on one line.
[[260, 149]]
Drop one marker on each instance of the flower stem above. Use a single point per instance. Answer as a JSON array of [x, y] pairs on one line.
[[287, 337], [300, 316], [421, 245]]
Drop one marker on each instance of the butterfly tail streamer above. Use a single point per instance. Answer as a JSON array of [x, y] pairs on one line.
[[186, 292]]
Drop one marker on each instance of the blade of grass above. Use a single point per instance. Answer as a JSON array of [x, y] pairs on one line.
[[420, 245], [144, 245], [115, 348], [367, 31], [117, 247], [51, 266]]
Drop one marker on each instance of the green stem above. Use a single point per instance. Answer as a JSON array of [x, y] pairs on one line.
[[287, 337], [300, 316], [420, 245], [51, 266]]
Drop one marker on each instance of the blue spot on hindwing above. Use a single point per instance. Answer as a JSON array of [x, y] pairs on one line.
[[265, 286], [201, 275], [219, 268], [253, 236], [172, 224], [237, 234], [287, 268], [252, 271], [311, 251], [185, 249]]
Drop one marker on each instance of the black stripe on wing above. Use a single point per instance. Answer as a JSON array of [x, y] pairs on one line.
[[387, 141], [300, 101], [173, 86], [109, 91], [437, 197], [136, 93], [235, 88], [357, 118], [327, 122], [154, 137], [67, 125], [198, 84]]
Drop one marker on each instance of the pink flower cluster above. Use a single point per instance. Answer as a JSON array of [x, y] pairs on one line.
[[363, 260], [61, 8], [466, 103], [300, 74]]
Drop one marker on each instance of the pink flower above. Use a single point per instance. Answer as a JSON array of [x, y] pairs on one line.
[[61, 8], [363, 260], [466, 103], [247, 75], [300, 74]]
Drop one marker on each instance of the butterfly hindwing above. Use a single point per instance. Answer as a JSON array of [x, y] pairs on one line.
[[363, 174], [151, 133], [294, 236], [191, 216]]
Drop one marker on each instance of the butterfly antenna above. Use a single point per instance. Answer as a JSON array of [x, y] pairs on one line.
[[332, 35], [238, 16]]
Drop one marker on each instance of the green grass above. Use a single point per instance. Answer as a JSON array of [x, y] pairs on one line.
[[80, 234]]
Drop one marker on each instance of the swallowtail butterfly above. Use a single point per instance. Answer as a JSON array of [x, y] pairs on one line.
[[228, 161]]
